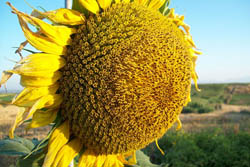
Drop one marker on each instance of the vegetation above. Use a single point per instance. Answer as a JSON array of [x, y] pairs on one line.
[[210, 148], [4, 98], [240, 99], [212, 96], [196, 107]]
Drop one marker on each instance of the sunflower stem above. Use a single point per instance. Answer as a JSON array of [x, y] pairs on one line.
[[68, 4]]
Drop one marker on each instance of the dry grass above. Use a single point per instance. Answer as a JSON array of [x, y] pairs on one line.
[[8, 115], [229, 117]]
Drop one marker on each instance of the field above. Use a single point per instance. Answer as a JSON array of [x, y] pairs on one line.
[[222, 110], [8, 114]]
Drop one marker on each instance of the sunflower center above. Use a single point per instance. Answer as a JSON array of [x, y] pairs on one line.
[[126, 78]]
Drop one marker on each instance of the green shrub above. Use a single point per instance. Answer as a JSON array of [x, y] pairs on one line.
[[240, 99], [195, 107], [204, 149], [205, 110], [187, 110], [245, 111]]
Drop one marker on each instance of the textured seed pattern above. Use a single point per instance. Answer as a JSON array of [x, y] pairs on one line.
[[126, 79]]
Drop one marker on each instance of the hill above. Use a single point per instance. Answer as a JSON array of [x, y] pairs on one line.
[[212, 96]]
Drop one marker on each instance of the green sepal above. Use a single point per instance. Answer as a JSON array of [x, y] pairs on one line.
[[164, 8], [143, 161], [16, 146], [27, 50], [78, 7], [44, 10], [27, 121]]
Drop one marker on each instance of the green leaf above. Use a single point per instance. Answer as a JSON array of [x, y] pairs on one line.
[[35, 141], [34, 160], [26, 142], [16, 146]]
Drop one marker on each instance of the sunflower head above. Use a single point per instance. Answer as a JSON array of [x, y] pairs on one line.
[[117, 73]]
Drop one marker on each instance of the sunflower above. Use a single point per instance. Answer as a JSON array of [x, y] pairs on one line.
[[115, 73]]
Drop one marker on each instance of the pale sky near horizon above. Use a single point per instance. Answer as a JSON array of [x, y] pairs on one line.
[[220, 29]]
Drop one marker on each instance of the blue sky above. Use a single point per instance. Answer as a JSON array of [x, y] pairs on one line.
[[220, 29]]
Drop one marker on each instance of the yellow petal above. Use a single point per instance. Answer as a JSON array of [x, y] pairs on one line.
[[67, 153], [156, 4], [195, 79], [58, 139], [104, 3], [39, 64], [179, 126], [5, 77], [40, 41], [51, 101], [90, 159], [131, 156], [193, 73], [197, 52], [159, 148], [122, 159], [42, 118], [132, 160], [30, 94], [90, 5], [87, 159], [179, 21], [28, 81], [112, 161], [142, 2], [190, 40], [65, 16], [99, 161], [58, 34], [20, 117], [126, 1], [109, 161]]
